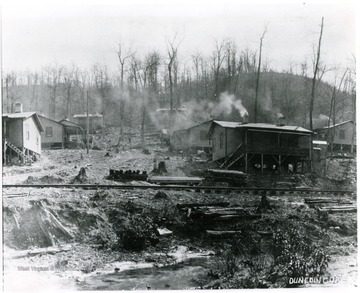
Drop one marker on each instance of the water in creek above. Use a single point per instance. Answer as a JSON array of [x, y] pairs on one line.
[[179, 276]]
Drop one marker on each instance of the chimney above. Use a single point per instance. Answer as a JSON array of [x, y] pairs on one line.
[[245, 119], [281, 121], [18, 108]]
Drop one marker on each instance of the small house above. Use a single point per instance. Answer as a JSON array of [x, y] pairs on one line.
[[74, 133], [260, 146], [192, 138], [21, 132], [341, 136], [96, 122], [53, 136]]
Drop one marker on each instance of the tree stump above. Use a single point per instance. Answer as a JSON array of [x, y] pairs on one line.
[[81, 177]]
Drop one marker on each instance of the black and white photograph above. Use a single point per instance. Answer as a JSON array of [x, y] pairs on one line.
[[179, 145]]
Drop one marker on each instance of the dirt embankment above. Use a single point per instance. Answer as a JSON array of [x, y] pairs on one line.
[[105, 227]]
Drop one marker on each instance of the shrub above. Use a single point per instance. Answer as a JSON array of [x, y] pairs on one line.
[[296, 256], [137, 232]]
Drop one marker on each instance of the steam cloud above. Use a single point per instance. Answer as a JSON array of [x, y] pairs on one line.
[[227, 103]]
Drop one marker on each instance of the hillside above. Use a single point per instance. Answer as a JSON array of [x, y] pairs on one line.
[[279, 94]]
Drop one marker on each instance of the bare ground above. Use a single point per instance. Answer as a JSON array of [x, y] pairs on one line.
[[89, 216]]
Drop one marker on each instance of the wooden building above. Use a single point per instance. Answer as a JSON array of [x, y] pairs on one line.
[[261, 147], [60, 134], [21, 132], [54, 136], [341, 137], [96, 122], [192, 138], [74, 134]]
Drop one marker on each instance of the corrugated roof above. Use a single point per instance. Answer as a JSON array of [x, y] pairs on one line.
[[227, 124], [84, 115], [25, 115], [18, 115], [68, 123], [275, 127]]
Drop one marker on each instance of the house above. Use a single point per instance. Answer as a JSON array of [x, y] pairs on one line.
[[96, 122], [165, 118], [21, 132], [260, 147], [74, 133], [60, 134], [341, 136], [53, 136], [192, 138]]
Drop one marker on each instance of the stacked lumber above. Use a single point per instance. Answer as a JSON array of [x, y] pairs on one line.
[[326, 200], [217, 212], [338, 209]]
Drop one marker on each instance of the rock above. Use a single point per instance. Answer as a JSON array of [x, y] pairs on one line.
[[164, 232]]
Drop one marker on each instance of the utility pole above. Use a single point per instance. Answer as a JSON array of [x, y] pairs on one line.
[[316, 69], [87, 122], [258, 77]]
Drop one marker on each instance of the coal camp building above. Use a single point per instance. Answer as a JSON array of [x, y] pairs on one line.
[[60, 134], [260, 147], [21, 132], [341, 136], [96, 121], [193, 138]]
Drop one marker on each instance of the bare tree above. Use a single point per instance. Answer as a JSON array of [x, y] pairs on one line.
[[122, 59], [53, 76], [258, 75], [218, 57], [81, 78], [315, 75], [69, 80], [172, 51]]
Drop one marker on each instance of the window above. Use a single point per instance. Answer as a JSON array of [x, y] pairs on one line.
[[203, 134], [48, 131], [27, 131], [221, 142], [342, 134]]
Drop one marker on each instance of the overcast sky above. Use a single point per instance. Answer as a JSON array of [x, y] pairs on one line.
[[38, 34]]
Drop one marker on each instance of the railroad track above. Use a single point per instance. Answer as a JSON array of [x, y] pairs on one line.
[[209, 189]]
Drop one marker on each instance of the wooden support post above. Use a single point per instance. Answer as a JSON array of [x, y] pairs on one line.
[[262, 163], [246, 152], [279, 163], [246, 163], [5, 147]]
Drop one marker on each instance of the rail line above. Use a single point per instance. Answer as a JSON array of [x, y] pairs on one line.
[[211, 189]]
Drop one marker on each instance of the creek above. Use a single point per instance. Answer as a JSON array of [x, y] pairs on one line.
[[179, 276]]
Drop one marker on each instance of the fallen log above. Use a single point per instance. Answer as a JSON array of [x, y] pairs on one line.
[[33, 252], [325, 200], [16, 195], [195, 205], [265, 233], [221, 233], [338, 210], [238, 217]]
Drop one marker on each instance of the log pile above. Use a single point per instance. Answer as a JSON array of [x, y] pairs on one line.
[[220, 211], [338, 209], [337, 205], [326, 200]]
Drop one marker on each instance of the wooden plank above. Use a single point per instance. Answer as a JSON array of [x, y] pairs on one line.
[[222, 233], [33, 252], [194, 205]]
